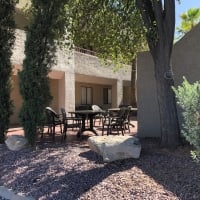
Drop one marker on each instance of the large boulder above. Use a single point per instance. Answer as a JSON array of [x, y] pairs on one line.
[[113, 148], [16, 142]]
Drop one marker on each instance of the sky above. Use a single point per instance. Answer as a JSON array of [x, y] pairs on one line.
[[184, 6]]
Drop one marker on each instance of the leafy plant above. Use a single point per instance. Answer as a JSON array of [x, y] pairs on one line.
[[40, 52], [188, 97], [189, 19]]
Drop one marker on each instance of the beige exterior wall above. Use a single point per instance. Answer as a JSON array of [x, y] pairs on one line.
[[70, 72], [89, 70], [97, 91], [186, 57], [61, 78], [185, 62], [127, 92], [17, 100], [126, 95], [148, 118], [54, 89]]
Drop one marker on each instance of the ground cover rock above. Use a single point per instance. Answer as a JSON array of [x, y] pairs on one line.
[[113, 148], [16, 142]]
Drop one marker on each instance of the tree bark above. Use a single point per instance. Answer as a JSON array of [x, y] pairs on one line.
[[159, 19], [133, 83], [166, 101]]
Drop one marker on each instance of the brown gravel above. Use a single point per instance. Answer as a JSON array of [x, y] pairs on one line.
[[71, 171]]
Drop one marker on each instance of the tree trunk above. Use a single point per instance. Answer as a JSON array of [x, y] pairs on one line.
[[166, 102], [133, 83], [159, 20]]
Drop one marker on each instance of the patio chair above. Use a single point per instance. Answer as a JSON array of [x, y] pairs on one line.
[[69, 122], [53, 120], [98, 116], [119, 122], [106, 123]]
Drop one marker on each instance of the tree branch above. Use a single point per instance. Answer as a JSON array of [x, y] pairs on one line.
[[146, 9], [147, 12], [158, 10], [169, 20]]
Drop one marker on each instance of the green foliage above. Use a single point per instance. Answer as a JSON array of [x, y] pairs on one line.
[[40, 49], [189, 19], [7, 38], [113, 29], [188, 97]]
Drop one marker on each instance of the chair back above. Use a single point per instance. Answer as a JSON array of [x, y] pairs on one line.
[[51, 115], [124, 113], [64, 115], [96, 108], [127, 113]]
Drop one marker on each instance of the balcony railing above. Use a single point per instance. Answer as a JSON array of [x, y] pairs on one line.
[[85, 51]]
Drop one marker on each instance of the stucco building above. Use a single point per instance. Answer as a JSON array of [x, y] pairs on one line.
[[185, 62], [76, 79]]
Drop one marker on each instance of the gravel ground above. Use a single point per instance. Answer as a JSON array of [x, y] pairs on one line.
[[72, 171]]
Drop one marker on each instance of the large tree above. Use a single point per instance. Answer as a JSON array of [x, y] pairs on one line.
[[7, 38], [113, 29], [159, 20]]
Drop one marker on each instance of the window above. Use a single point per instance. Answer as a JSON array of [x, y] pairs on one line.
[[86, 95], [107, 96]]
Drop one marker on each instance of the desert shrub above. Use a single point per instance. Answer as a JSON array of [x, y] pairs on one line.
[[188, 98]]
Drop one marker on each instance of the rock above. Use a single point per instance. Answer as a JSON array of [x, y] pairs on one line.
[[16, 142], [113, 148]]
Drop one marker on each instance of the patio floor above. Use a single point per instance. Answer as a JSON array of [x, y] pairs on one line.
[[71, 134]]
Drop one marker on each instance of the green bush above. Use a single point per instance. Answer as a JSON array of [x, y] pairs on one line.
[[7, 39], [40, 55], [188, 98]]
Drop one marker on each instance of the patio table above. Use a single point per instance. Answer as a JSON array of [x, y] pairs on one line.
[[117, 109], [84, 114]]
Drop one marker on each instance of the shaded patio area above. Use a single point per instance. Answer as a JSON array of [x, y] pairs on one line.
[[72, 133]]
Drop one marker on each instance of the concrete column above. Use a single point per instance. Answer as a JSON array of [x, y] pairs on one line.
[[117, 93], [61, 92], [66, 82], [69, 91], [148, 112]]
